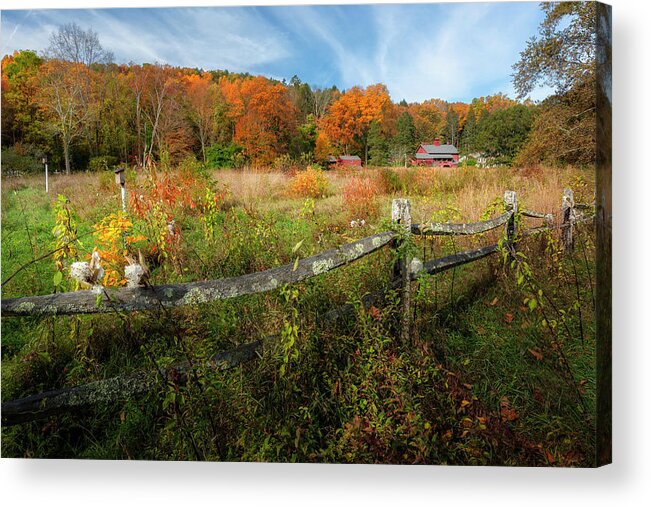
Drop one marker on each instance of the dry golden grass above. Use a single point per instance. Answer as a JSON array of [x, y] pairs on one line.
[[470, 190], [251, 187], [87, 191]]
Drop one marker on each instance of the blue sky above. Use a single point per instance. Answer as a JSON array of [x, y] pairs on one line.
[[451, 51]]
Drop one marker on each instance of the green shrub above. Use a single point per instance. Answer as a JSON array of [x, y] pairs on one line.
[[103, 163], [283, 163], [21, 158], [218, 156], [190, 166]]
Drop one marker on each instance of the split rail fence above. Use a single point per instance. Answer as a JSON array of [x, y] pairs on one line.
[[147, 298]]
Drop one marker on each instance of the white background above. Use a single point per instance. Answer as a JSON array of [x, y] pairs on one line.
[[626, 482]]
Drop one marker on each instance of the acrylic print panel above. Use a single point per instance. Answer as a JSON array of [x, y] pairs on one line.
[[308, 234]]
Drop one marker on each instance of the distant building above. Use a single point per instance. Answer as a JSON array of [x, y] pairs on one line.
[[436, 154], [349, 160]]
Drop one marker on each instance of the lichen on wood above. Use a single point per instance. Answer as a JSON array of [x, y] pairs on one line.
[[192, 293], [568, 216], [444, 263], [534, 214], [449, 229]]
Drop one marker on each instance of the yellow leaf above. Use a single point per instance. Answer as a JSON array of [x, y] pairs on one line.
[[297, 246]]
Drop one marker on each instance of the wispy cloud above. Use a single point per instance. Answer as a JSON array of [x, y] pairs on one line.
[[420, 51], [211, 38]]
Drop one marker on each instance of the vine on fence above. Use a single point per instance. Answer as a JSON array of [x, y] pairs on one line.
[[495, 206]]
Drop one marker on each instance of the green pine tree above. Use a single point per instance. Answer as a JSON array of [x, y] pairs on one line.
[[378, 150], [451, 130], [469, 133]]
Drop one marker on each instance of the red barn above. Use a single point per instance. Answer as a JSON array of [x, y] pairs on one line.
[[436, 154], [349, 160]]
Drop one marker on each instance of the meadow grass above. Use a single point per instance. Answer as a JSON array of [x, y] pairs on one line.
[[484, 381]]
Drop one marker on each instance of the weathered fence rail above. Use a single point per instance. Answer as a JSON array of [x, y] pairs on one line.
[[452, 261], [446, 229], [59, 401], [167, 296], [549, 217]]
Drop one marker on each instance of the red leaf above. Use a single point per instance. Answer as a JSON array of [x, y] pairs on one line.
[[374, 313]]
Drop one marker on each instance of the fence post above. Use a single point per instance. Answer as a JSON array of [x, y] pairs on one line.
[[511, 204], [568, 218], [401, 214]]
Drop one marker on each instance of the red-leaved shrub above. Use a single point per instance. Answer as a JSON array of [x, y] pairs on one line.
[[360, 198]]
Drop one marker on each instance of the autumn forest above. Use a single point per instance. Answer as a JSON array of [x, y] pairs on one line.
[[86, 112]]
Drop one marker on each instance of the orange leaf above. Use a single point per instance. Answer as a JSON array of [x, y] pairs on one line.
[[508, 318], [537, 354], [550, 457], [506, 411]]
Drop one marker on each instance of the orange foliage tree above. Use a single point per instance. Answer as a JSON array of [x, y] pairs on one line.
[[264, 116], [22, 119], [461, 110], [491, 103], [428, 120], [347, 122], [323, 148]]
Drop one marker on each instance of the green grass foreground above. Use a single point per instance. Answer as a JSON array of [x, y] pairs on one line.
[[499, 371]]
